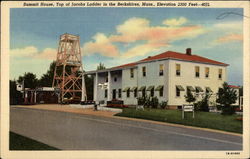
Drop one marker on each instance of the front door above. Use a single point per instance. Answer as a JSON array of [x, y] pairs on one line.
[[114, 93]]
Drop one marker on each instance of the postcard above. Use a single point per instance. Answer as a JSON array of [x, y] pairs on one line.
[[125, 79]]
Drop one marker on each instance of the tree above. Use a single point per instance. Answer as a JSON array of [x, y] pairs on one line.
[[226, 97], [47, 78], [204, 106], [30, 80], [100, 66], [190, 97], [15, 96]]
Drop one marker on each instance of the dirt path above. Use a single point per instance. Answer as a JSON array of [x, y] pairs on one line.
[[70, 109]]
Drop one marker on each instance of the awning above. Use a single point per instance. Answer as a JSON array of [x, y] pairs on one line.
[[180, 87], [199, 89], [142, 88], [159, 88], [133, 89], [126, 89], [191, 88], [208, 89], [150, 88]]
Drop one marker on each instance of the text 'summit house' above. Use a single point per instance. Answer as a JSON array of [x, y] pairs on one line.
[[168, 76]]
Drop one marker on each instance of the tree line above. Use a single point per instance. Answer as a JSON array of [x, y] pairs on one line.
[[31, 81]]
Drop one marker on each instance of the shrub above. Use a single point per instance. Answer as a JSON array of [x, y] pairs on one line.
[[203, 104], [141, 101], [228, 110], [163, 104], [154, 102], [190, 97], [226, 97], [147, 102]]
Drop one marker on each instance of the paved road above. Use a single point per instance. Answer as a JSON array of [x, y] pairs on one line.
[[70, 131]]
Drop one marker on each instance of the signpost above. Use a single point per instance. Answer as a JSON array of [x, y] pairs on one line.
[[187, 108]]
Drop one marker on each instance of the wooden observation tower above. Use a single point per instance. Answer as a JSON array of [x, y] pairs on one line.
[[69, 73]]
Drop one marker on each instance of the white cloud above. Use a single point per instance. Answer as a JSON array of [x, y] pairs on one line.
[[175, 21], [229, 38], [32, 52], [27, 51], [102, 45], [47, 53], [138, 31]]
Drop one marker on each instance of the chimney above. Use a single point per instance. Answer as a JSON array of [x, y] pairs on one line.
[[189, 51]]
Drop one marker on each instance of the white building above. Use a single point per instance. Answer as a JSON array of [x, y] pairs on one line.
[[166, 76]]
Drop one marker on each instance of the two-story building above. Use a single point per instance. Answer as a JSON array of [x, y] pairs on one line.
[[167, 76]]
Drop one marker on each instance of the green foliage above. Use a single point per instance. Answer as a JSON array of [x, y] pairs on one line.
[[202, 119], [100, 66], [163, 104], [190, 97], [141, 101], [228, 110], [226, 97], [19, 142], [30, 80], [15, 96], [154, 102], [149, 102], [204, 106], [47, 78]]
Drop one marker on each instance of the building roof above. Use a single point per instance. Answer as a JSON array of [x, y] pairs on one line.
[[233, 86], [184, 57], [172, 55]]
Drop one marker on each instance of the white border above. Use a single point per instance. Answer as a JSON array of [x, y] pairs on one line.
[[5, 153]]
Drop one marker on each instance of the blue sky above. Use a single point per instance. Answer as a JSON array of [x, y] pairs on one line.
[[116, 36]]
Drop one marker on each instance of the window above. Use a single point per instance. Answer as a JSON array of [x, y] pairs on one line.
[[161, 70], [106, 93], [178, 69], [135, 92], [128, 93], [107, 79], [197, 71], [220, 73], [115, 79], [207, 72], [131, 73], [161, 92], [178, 92], [119, 93], [144, 71]]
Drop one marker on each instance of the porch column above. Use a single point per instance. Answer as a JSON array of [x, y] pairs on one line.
[[35, 98], [95, 86], [109, 86]]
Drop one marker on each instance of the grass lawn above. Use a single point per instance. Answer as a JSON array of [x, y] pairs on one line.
[[19, 142], [202, 119]]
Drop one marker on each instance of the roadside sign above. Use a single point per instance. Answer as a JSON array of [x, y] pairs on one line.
[[187, 108]]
